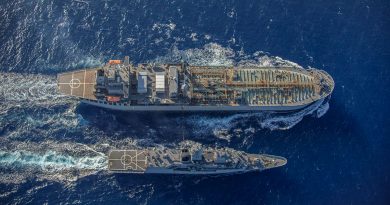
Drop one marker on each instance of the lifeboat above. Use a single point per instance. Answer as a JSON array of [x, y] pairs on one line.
[[114, 62], [113, 98]]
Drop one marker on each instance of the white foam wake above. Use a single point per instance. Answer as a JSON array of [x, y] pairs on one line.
[[225, 127], [211, 54], [268, 120], [19, 88], [51, 161], [265, 120], [216, 55]]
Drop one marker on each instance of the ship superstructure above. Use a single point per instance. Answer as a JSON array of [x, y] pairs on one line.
[[182, 87], [194, 160]]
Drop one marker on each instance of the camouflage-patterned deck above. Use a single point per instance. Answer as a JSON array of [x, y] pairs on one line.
[[79, 83]]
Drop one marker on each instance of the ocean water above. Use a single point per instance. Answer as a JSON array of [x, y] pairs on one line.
[[52, 149]]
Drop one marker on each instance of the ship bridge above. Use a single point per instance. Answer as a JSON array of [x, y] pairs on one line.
[[80, 83]]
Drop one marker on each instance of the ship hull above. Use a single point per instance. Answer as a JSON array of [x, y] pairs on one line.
[[159, 170], [193, 160], [194, 108], [163, 171], [182, 87]]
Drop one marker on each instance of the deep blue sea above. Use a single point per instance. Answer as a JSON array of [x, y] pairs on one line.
[[52, 149]]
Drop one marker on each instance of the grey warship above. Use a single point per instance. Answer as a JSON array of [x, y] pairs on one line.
[[119, 85], [193, 160]]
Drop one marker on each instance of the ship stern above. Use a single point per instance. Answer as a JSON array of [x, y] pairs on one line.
[[80, 83]]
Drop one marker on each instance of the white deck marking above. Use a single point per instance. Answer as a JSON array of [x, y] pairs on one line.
[[135, 163], [71, 89], [136, 159], [74, 83], [77, 83], [85, 74]]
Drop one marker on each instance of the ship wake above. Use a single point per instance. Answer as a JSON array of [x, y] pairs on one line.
[[61, 162], [50, 161], [249, 123], [19, 89]]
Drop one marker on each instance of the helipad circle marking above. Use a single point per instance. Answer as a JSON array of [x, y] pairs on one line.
[[74, 83], [126, 159]]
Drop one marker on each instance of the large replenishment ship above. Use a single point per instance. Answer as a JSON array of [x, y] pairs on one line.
[[194, 160], [119, 85]]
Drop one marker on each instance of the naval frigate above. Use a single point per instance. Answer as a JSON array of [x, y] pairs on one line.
[[190, 160], [119, 85]]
